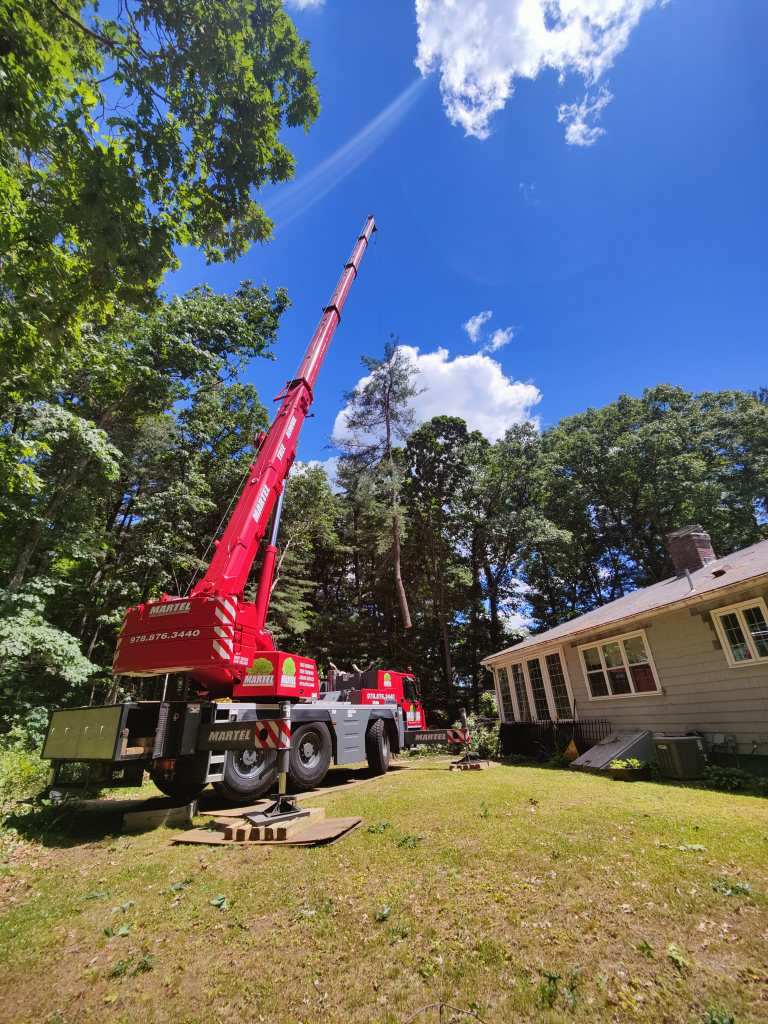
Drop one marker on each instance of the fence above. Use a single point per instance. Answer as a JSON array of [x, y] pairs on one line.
[[542, 739]]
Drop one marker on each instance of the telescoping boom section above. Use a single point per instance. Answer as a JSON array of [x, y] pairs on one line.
[[212, 635]]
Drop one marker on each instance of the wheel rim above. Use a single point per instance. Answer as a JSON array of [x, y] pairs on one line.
[[249, 765], [310, 749]]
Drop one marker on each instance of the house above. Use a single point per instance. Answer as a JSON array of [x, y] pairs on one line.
[[687, 654]]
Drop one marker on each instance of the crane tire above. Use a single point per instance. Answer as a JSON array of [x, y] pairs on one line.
[[248, 775], [310, 756], [187, 781], [377, 747]]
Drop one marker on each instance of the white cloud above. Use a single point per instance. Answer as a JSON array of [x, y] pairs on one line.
[[479, 48], [475, 328], [304, 5], [475, 324], [576, 118], [473, 387], [499, 339]]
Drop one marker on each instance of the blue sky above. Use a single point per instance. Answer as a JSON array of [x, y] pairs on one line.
[[637, 259]]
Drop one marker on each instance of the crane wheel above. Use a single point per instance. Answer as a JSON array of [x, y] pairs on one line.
[[377, 747], [248, 774], [310, 757], [187, 781]]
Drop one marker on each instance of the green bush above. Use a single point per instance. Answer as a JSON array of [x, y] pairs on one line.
[[23, 774], [730, 779]]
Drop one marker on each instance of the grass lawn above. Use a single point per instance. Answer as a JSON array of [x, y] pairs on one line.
[[522, 894]]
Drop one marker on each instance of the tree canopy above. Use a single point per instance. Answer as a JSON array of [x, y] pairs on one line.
[[122, 137]]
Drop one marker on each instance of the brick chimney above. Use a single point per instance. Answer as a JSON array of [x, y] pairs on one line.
[[690, 548]]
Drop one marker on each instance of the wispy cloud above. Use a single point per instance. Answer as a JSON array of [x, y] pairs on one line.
[[577, 117], [304, 5], [481, 47], [296, 198], [499, 339], [474, 326]]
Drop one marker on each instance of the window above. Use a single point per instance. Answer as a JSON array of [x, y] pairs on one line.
[[524, 708], [558, 685], [743, 631], [507, 707], [620, 667], [539, 689]]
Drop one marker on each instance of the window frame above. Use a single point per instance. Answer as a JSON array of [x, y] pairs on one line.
[[522, 661], [619, 639], [737, 609], [510, 690]]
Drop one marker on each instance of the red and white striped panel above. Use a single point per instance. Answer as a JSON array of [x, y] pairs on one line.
[[457, 736], [273, 734], [225, 611]]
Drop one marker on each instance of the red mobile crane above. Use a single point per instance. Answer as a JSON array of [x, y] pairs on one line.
[[217, 718]]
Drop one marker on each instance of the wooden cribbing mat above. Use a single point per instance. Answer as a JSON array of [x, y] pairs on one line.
[[319, 833]]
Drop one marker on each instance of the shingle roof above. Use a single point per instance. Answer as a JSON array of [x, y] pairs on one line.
[[739, 567]]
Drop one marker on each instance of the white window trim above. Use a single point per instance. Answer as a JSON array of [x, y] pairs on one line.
[[499, 702], [541, 656], [738, 609], [618, 639]]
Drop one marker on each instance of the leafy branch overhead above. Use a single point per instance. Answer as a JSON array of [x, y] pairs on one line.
[[124, 137]]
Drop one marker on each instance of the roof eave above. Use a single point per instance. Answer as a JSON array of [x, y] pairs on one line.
[[689, 599]]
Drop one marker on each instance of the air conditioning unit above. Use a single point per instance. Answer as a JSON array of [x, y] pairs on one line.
[[680, 757]]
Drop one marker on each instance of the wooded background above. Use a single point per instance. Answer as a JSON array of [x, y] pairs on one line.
[[125, 433]]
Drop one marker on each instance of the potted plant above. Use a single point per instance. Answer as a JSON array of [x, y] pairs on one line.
[[628, 769]]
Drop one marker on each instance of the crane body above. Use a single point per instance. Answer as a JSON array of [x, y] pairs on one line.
[[226, 701]]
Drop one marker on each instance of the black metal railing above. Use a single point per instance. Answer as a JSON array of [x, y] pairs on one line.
[[542, 739]]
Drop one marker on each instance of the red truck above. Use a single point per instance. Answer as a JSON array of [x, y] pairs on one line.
[[216, 687]]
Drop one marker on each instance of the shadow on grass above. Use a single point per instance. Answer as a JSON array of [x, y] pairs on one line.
[[81, 821], [65, 825]]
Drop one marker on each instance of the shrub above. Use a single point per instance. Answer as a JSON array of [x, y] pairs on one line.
[[631, 763], [22, 774]]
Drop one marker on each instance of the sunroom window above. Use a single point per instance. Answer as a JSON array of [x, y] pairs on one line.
[[538, 687], [619, 667], [743, 630], [507, 707]]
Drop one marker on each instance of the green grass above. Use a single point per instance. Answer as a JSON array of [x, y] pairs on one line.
[[521, 894]]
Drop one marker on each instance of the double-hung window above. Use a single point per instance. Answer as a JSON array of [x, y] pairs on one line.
[[619, 667], [538, 689], [743, 632]]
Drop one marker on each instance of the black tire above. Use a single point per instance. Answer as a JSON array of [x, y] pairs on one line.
[[186, 783], [377, 748], [310, 757], [248, 775]]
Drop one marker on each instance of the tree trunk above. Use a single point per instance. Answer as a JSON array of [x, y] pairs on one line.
[[405, 614]]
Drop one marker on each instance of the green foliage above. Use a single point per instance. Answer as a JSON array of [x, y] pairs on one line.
[[717, 1015], [23, 774], [123, 137], [732, 887], [627, 764], [730, 779]]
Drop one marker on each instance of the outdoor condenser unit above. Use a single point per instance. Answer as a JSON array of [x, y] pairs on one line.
[[680, 757]]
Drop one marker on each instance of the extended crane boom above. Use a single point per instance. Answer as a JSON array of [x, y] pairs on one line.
[[213, 635], [231, 564]]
